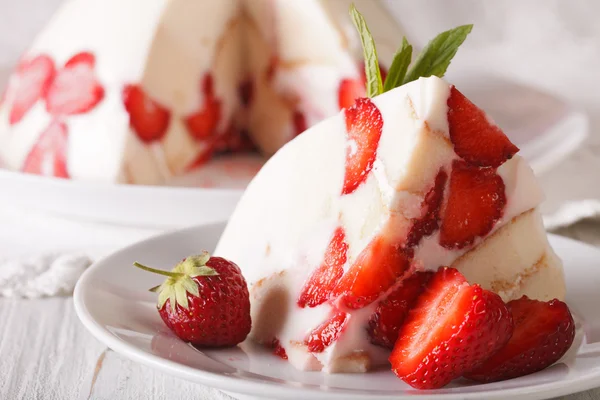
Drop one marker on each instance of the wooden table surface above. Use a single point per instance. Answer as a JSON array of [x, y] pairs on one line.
[[45, 353]]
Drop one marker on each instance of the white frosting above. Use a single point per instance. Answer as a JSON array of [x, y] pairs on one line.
[[294, 203]]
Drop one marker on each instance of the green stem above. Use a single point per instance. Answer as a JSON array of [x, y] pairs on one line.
[[158, 271]]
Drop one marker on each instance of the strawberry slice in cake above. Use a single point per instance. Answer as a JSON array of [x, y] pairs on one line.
[[340, 232]]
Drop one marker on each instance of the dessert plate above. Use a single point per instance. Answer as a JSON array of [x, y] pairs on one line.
[[113, 302]]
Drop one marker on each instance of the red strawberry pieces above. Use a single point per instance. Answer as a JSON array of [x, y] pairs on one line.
[[477, 140], [375, 270], [203, 123], [475, 203], [33, 78], [349, 91], [75, 89], [389, 316], [49, 155], [543, 333], [148, 119], [299, 122], [326, 333], [453, 327], [278, 350], [323, 280], [364, 124]]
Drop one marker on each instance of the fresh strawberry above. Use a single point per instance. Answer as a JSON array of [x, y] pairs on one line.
[[391, 312], [75, 89], [278, 350], [326, 333], [148, 119], [299, 121], [323, 280], [49, 155], [364, 124], [30, 83], [349, 91], [375, 270], [429, 221], [476, 139], [544, 332], [203, 123], [476, 201], [205, 301], [452, 328]]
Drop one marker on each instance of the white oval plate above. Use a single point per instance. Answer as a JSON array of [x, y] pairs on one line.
[[112, 301]]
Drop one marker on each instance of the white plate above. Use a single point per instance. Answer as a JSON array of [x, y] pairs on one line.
[[112, 301]]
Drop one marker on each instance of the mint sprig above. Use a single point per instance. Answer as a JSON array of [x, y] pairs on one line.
[[372, 72], [434, 59]]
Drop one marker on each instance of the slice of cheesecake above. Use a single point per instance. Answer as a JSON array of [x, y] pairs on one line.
[[409, 180]]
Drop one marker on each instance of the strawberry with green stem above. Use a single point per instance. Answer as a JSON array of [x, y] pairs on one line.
[[204, 301]]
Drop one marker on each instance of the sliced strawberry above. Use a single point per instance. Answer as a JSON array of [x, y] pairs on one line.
[[326, 333], [148, 119], [544, 332], [49, 155], [429, 221], [476, 139], [375, 270], [321, 283], [476, 201], [203, 123], [30, 83], [299, 121], [349, 91], [278, 350], [75, 90], [364, 124], [389, 316], [452, 328]]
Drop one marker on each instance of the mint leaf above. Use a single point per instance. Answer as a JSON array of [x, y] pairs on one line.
[[372, 72], [399, 66], [436, 56]]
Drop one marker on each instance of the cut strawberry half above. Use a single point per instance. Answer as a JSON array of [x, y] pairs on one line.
[[203, 123], [428, 223], [148, 119], [49, 155], [476, 139], [376, 269], [364, 124], [278, 350], [326, 333], [390, 314], [476, 201], [349, 91], [30, 83], [452, 328], [321, 283], [75, 89], [544, 332]]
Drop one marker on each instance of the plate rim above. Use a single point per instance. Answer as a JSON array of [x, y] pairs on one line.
[[245, 386]]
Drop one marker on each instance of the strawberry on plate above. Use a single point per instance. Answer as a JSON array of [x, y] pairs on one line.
[[148, 119], [204, 301], [49, 154], [325, 334], [544, 332], [452, 329], [390, 314], [364, 125]]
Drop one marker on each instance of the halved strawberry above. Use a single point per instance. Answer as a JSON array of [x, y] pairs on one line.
[[75, 89], [452, 328], [350, 90], [326, 333], [364, 124], [375, 270], [476, 201], [278, 350], [476, 139], [299, 121], [389, 316], [544, 332], [49, 155], [148, 119], [430, 219], [323, 280], [203, 123], [29, 84]]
